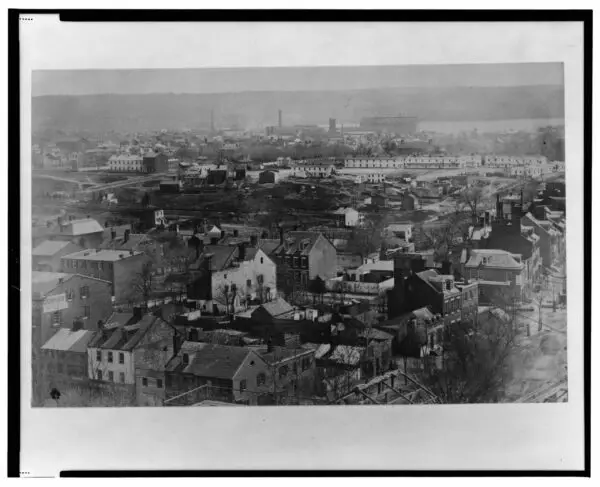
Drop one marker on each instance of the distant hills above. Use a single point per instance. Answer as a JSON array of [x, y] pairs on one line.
[[132, 113]]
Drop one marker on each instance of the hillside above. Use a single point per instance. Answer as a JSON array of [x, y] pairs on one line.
[[99, 113]]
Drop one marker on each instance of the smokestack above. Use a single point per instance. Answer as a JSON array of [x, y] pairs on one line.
[[280, 119]]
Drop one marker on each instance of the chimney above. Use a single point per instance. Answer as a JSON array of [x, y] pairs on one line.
[[242, 251], [208, 261], [113, 234], [222, 233], [126, 236], [137, 313], [269, 345], [253, 241], [77, 324]]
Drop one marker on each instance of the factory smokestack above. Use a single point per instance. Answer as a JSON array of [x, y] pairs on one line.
[[212, 120], [280, 119]]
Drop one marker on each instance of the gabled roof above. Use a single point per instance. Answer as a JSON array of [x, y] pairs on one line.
[[49, 248], [218, 361], [85, 226], [44, 282], [277, 307], [125, 337], [221, 255], [68, 340], [302, 242], [268, 245]]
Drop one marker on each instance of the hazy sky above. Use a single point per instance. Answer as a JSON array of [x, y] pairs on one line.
[[70, 82]]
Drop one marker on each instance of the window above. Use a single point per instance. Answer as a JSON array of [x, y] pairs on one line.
[[111, 376], [262, 261], [57, 317], [224, 276], [260, 278], [84, 292], [249, 284], [261, 379], [121, 358], [99, 355], [99, 375], [159, 383], [70, 294], [122, 377], [144, 381], [83, 264], [110, 266], [110, 357], [283, 371], [242, 385], [86, 311]]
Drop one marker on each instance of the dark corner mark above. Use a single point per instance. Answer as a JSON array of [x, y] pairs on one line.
[[14, 246]]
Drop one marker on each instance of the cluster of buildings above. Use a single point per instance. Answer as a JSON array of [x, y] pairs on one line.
[[249, 316]]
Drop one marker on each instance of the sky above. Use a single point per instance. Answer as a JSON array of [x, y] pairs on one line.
[[211, 80], [48, 44]]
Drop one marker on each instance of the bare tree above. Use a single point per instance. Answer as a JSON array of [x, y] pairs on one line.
[[143, 284], [472, 197], [474, 365], [227, 295]]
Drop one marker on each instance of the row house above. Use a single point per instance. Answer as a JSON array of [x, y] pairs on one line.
[[113, 350], [301, 257], [126, 163], [47, 255], [373, 162], [313, 169], [504, 161], [348, 217]]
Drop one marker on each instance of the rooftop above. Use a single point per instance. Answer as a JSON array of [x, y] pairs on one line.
[[44, 282], [49, 247], [494, 258], [215, 361], [277, 308], [68, 340], [102, 254], [84, 226]]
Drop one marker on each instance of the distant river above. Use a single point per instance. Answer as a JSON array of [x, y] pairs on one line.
[[526, 124]]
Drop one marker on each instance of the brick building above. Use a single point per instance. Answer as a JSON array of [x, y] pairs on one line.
[[120, 267]]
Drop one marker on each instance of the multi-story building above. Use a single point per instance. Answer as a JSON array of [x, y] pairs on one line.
[[504, 161], [63, 363], [112, 351], [500, 275], [230, 276], [126, 163], [314, 169], [301, 257], [373, 162], [47, 255], [85, 232], [60, 299], [121, 268], [155, 162], [201, 371]]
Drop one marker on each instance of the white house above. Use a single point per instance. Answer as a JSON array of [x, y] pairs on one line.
[[126, 163], [348, 217]]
